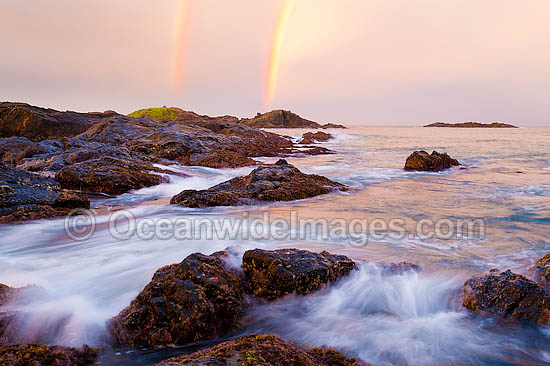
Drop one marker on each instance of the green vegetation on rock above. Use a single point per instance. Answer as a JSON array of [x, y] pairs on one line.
[[157, 113]]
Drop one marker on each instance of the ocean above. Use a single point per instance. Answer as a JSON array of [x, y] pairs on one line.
[[491, 212]]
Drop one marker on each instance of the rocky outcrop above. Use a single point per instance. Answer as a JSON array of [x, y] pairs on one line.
[[471, 125], [277, 182], [542, 268], [112, 153], [311, 138], [263, 350], [422, 161], [35, 123], [508, 295], [186, 302], [25, 196], [274, 274], [43, 355], [283, 119], [108, 175]]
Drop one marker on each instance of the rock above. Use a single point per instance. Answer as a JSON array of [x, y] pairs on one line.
[[310, 137], [27, 196], [543, 271], [277, 182], [35, 123], [399, 268], [506, 294], [422, 161], [274, 274], [279, 119], [471, 125], [43, 355], [108, 175], [332, 125], [186, 302], [263, 350], [283, 119]]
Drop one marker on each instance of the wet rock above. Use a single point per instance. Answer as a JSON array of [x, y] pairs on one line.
[[263, 350], [506, 294], [27, 196], [310, 137], [277, 182], [186, 302], [43, 355], [399, 268], [422, 161], [274, 274], [35, 123], [108, 175], [543, 271]]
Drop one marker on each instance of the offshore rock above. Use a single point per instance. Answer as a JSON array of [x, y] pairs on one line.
[[506, 294], [277, 182], [283, 119], [274, 274], [422, 161], [310, 137], [263, 350], [186, 302]]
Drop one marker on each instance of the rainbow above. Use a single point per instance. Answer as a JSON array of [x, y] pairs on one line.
[[275, 52], [180, 37]]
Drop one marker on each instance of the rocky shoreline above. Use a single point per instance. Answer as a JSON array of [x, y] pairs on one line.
[[204, 298], [50, 161]]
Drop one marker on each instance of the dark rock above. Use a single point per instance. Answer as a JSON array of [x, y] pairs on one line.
[[399, 268], [279, 119], [316, 150], [278, 182], [263, 350], [310, 137], [422, 161], [332, 125], [108, 175], [543, 271], [43, 355], [35, 123], [506, 294], [471, 125], [27, 196], [186, 302], [274, 274]]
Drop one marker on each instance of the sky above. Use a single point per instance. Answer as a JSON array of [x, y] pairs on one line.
[[380, 62]]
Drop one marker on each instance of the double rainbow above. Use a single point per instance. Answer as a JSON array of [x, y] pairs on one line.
[[274, 58]]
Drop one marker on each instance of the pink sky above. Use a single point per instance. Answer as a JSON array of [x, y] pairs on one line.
[[354, 62]]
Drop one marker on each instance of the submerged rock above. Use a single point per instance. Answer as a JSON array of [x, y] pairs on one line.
[[186, 302], [274, 274], [422, 161], [506, 294], [43, 355], [263, 350], [277, 182], [543, 271], [25, 196], [310, 137]]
